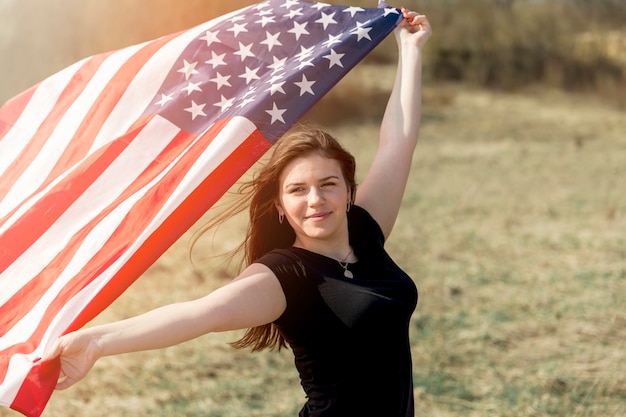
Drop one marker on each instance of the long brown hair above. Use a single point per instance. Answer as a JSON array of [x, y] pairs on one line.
[[265, 232]]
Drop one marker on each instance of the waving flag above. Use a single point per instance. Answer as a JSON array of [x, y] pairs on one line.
[[106, 163]]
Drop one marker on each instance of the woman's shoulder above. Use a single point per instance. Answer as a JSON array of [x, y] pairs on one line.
[[362, 225]]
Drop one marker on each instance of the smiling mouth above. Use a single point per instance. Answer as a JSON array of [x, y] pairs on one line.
[[317, 216]]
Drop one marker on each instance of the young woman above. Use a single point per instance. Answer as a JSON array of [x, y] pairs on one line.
[[318, 278]]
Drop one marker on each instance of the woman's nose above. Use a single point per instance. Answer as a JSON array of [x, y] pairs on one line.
[[315, 196]]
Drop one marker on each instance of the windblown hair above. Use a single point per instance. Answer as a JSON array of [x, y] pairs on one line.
[[265, 232]]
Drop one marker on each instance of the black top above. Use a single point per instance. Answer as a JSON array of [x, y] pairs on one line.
[[349, 336]]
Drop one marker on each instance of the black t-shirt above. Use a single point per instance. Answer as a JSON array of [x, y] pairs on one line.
[[349, 336]]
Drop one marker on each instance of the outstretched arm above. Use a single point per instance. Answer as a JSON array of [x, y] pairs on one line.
[[253, 299], [382, 189]]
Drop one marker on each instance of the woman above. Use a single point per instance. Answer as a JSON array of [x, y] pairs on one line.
[[318, 278]]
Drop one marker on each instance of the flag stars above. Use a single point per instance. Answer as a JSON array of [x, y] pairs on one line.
[[353, 10], [304, 53], [164, 99], [265, 20], [305, 86], [250, 74], [191, 87], [327, 19], [188, 69], [334, 59], [244, 51], [361, 32], [332, 39], [278, 64], [271, 40], [294, 12], [390, 10], [224, 103], [276, 114], [210, 37], [290, 3], [299, 29], [276, 87], [238, 28], [216, 60], [196, 110], [221, 80]]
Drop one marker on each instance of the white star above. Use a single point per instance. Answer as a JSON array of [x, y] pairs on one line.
[[216, 60], [210, 37], [299, 29], [332, 40], [294, 12], [244, 51], [238, 28], [353, 10], [334, 58], [221, 80], [319, 5], [305, 86], [271, 40], [165, 99], [276, 113], [224, 104], [304, 53], [361, 32], [196, 109], [245, 102], [276, 87], [188, 69], [289, 3], [250, 75], [305, 64], [191, 87], [326, 20], [265, 20], [278, 64], [390, 10]]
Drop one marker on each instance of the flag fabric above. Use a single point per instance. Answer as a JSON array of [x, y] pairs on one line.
[[106, 163]]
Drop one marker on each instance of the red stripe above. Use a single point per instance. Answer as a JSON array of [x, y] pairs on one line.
[[12, 109], [186, 214], [121, 238], [211, 189], [103, 106], [71, 91], [41, 378]]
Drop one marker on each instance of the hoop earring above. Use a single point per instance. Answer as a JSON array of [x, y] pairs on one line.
[[281, 217], [348, 208]]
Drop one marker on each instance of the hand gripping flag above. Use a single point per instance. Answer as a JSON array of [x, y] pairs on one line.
[[106, 163]]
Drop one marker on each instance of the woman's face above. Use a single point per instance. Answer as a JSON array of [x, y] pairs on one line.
[[313, 196]]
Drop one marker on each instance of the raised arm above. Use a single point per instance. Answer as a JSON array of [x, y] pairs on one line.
[[252, 299], [382, 189]]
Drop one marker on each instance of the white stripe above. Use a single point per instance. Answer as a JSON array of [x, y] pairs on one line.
[[220, 148], [112, 182], [35, 112], [63, 134]]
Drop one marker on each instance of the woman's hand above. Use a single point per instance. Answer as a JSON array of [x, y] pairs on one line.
[[78, 352], [414, 28]]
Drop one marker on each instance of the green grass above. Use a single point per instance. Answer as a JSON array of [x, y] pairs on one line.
[[513, 229]]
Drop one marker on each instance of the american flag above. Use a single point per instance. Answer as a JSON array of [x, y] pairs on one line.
[[106, 163]]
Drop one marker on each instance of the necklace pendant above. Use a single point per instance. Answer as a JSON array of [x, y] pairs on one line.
[[347, 273]]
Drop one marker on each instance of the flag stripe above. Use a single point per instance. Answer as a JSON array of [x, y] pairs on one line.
[[37, 146], [108, 162]]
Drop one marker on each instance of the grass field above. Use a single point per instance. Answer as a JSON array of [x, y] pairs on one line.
[[513, 227]]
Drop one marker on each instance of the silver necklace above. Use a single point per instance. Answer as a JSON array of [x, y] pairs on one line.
[[344, 265]]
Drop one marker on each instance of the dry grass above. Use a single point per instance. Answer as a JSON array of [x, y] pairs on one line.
[[513, 228]]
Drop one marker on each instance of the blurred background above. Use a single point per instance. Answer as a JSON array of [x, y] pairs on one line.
[[513, 222], [577, 45]]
